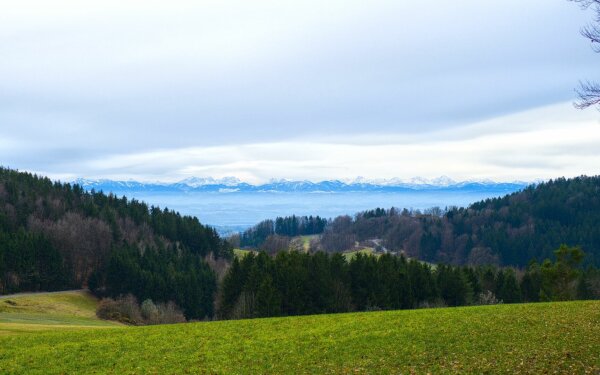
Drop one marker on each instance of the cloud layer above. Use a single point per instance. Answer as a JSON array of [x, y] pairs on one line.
[[263, 89], [544, 143]]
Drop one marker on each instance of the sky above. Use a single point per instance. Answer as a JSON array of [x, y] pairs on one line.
[[162, 91]]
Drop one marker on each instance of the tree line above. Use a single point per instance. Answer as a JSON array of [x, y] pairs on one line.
[[294, 283]]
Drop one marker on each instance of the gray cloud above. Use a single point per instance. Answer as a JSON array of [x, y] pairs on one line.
[[86, 82], [542, 143]]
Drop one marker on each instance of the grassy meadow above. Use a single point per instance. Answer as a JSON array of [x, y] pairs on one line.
[[49, 311], [241, 253], [527, 338], [349, 255], [305, 240]]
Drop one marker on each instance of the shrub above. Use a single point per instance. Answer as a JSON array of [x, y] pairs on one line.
[[124, 309], [169, 313], [488, 298], [434, 304], [149, 311]]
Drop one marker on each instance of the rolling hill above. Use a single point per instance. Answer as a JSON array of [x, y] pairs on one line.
[[508, 231], [527, 339], [56, 236], [35, 312]]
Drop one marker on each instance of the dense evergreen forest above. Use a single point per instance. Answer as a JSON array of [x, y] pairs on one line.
[[294, 283], [507, 231], [57, 236]]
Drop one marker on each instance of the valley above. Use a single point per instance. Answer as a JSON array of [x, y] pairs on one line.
[[299, 187], [232, 209]]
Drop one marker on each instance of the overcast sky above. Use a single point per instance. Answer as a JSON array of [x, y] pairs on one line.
[[156, 90]]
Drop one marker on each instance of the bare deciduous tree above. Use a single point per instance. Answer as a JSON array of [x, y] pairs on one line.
[[84, 242], [589, 92], [275, 243]]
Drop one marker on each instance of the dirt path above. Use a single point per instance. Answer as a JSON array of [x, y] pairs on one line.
[[377, 242]]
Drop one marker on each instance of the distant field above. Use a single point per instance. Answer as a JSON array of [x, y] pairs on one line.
[[300, 243], [366, 251], [49, 311], [306, 241], [240, 253], [531, 338]]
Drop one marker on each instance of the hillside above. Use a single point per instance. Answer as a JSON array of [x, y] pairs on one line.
[[510, 231], [530, 338], [22, 313], [56, 236]]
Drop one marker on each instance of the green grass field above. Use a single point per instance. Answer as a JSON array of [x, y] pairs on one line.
[[532, 338], [49, 311], [299, 243], [239, 253], [306, 241], [349, 255]]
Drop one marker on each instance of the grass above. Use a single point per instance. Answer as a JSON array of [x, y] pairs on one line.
[[306, 241], [241, 253], [349, 255], [49, 311], [300, 243], [529, 338]]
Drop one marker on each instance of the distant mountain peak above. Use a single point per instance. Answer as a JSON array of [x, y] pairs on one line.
[[418, 180], [359, 184], [443, 181], [204, 181]]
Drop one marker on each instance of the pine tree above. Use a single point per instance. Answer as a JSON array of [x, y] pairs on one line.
[[268, 300]]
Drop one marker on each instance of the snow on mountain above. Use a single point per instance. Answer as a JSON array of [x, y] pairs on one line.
[[359, 184], [195, 182], [91, 183], [443, 181], [418, 181]]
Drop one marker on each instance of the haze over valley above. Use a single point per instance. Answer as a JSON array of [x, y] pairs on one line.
[[232, 205]]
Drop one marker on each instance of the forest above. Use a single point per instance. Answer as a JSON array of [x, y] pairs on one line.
[[57, 236], [507, 231], [294, 283]]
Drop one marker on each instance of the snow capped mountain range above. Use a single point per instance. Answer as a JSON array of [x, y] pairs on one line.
[[195, 182], [235, 185]]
